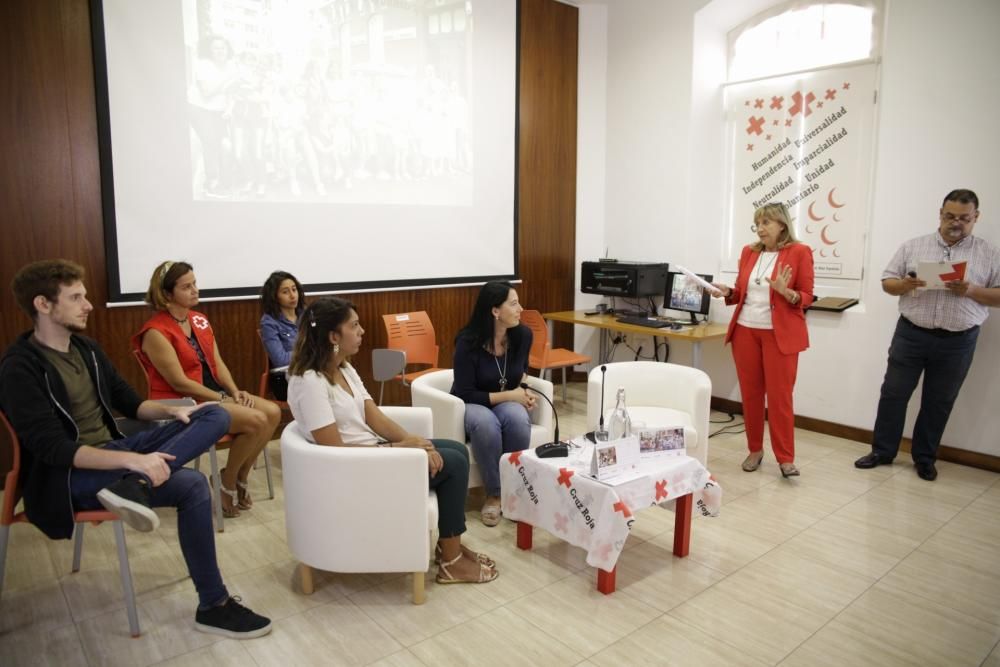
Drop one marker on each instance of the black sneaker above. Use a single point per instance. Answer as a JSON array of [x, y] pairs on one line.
[[129, 498], [232, 620]]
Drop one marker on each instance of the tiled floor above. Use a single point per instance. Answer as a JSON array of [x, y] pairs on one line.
[[838, 567]]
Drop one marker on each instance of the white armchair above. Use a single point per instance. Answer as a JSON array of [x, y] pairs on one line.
[[433, 390], [657, 394], [360, 509]]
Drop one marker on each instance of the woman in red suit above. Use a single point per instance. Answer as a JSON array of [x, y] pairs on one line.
[[768, 330]]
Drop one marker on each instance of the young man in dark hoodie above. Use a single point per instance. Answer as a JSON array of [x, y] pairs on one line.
[[57, 389]]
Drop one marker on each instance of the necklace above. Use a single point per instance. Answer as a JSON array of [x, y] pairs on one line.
[[503, 373], [182, 320], [763, 271]]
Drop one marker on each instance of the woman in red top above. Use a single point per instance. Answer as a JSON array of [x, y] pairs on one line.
[[773, 288], [181, 358]]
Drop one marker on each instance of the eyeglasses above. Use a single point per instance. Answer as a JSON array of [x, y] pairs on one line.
[[763, 223], [951, 217]]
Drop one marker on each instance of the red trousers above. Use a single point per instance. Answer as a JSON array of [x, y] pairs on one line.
[[764, 371]]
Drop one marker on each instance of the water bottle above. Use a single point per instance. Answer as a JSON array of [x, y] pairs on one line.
[[620, 424]]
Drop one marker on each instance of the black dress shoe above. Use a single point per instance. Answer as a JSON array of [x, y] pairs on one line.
[[926, 471], [870, 461]]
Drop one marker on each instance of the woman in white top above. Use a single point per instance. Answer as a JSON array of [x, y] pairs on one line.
[[773, 288], [333, 408]]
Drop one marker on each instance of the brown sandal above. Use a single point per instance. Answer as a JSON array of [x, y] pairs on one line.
[[444, 576]]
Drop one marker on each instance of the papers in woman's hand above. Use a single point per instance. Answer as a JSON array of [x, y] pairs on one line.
[[702, 283]]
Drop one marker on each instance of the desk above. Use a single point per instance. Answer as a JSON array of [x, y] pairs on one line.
[[696, 334], [558, 495]]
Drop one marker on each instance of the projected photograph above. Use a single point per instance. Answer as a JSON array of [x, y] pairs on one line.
[[359, 101], [686, 294]]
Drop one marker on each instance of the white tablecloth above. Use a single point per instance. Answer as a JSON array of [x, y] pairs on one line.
[[558, 494]]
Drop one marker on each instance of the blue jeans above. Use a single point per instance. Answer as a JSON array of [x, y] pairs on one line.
[[186, 490], [493, 432], [944, 362]]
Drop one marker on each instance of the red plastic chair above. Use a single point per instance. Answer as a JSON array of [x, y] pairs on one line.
[[542, 356], [9, 516]]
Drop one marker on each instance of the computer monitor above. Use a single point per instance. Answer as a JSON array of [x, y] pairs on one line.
[[686, 295]]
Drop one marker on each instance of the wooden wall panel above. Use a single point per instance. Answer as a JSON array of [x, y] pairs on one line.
[[50, 185]]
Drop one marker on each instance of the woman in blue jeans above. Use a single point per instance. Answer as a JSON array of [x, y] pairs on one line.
[[491, 358]]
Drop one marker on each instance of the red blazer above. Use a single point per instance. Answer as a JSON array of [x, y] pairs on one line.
[[789, 321], [162, 322]]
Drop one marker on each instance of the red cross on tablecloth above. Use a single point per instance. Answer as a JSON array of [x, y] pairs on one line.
[[515, 458], [661, 489], [564, 475], [620, 506]]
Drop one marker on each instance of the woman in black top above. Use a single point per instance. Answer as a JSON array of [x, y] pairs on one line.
[[491, 358]]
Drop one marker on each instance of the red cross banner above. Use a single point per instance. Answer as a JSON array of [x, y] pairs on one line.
[[805, 140]]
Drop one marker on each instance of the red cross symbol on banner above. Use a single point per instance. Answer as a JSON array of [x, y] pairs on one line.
[[758, 103], [661, 489], [515, 458], [564, 475], [846, 86], [831, 94], [620, 506], [755, 125], [798, 106], [776, 102], [749, 147]]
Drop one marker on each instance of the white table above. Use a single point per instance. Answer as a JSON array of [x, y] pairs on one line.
[[558, 495]]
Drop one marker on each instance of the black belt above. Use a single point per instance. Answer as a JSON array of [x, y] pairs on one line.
[[940, 333]]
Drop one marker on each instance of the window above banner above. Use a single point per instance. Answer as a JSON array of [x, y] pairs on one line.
[[799, 35], [800, 110]]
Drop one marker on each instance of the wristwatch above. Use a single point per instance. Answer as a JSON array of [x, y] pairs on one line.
[[223, 396]]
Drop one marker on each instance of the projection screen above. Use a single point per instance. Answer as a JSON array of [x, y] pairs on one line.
[[359, 144]]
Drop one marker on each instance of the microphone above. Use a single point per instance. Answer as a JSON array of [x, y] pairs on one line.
[[592, 435], [555, 448]]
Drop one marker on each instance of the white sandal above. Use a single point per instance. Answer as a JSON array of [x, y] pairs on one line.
[[490, 514], [482, 558], [486, 573], [245, 502]]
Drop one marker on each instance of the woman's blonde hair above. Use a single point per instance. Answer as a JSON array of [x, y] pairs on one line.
[[163, 281], [779, 213]]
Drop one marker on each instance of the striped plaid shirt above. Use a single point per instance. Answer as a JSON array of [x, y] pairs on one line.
[[939, 308]]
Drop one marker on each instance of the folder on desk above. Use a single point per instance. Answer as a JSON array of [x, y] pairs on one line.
[[834, 304]]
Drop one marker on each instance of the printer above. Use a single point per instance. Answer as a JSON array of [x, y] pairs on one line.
[[628, 279]]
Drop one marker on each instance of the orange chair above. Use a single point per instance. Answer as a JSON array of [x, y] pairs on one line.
[[8, 517], [413, 333], [542, 356]]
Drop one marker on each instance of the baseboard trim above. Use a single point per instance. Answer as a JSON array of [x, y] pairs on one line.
[[945, 453]]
